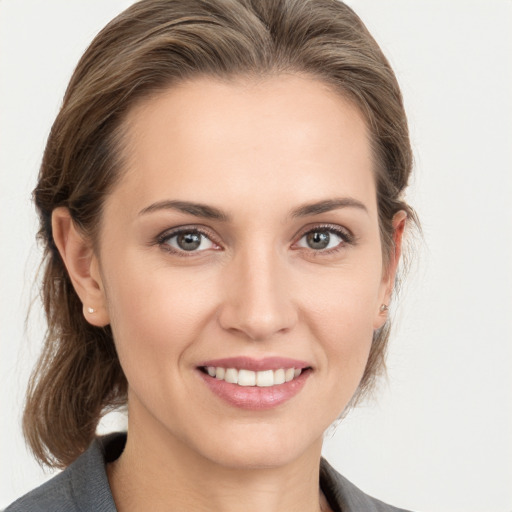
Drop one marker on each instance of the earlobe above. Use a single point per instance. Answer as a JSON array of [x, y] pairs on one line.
[[82, 266]]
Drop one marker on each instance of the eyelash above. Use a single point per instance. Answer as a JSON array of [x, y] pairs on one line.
[[347, 239]]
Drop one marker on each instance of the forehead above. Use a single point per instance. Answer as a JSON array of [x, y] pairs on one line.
[[215, 141]]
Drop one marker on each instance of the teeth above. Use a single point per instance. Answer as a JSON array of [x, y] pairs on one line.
[[246, 378], [279, 376], [231, 376], [265, 379], [261, 379]]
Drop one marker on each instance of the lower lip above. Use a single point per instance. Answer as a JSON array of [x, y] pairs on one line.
[[253, 397]]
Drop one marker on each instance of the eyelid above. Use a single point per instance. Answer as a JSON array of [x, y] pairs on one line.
[[342, 231]]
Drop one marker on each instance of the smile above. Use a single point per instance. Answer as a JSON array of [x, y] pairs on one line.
[[261, 379], [255, 384]]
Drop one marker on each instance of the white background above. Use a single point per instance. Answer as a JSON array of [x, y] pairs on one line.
[[438, 437]]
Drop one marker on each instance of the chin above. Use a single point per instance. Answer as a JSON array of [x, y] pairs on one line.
[[264, 449]]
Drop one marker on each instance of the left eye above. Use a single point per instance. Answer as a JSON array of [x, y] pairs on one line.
[[189, 241], [321, 239]]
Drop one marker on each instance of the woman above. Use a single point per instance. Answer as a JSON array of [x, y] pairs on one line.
[[221, 206]]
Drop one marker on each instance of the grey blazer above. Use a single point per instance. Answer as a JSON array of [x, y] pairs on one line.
[[84, 487]]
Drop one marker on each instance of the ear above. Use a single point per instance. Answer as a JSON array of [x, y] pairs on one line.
[[389, 274], [82, 265]]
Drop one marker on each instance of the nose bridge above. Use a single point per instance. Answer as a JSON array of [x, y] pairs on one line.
[[257, 296]]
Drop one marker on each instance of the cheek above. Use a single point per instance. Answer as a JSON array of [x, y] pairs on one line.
[[342, 315], [155, 315], [348, 336]]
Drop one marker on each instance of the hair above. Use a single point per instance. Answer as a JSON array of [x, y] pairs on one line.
[[151, 46]]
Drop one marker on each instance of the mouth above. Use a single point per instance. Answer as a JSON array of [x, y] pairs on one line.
[[250, 378], [255, 384]]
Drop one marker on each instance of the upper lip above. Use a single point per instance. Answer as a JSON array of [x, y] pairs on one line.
[[249, 363]]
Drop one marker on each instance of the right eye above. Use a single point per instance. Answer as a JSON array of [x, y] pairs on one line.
[[186, 241]]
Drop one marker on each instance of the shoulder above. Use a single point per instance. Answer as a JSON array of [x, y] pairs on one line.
[[81, 487], [56, 495], [344, 496]]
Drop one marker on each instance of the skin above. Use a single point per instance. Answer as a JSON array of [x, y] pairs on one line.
[[256, 151]]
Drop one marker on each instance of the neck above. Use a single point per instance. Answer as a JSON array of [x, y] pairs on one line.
[[158, 474]]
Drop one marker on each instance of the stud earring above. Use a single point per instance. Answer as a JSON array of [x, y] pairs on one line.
[[91, 310], [383, 308]]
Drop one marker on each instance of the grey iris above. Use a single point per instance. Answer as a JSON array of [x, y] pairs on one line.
[[318, 239], [189, 241]]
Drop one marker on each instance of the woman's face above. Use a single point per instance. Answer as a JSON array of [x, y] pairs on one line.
[[243, 237]]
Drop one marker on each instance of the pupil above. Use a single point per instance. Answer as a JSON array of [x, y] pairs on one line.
[[318, 240], [189, 241]]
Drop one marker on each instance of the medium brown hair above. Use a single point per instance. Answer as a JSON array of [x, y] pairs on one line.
[[149, 47]]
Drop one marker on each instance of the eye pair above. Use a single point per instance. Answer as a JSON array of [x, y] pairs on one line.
[[193, 240]]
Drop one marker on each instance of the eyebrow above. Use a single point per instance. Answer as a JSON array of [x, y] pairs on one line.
[[212, 213], [327, 206], [196, 209]]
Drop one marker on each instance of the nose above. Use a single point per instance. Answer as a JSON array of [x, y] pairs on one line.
[[257, 298]]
